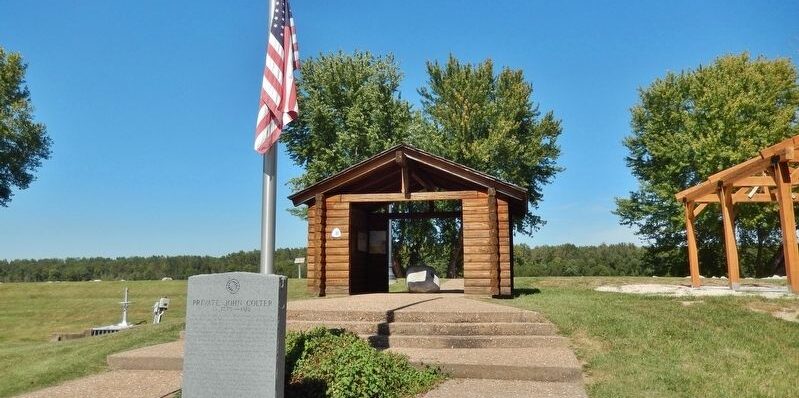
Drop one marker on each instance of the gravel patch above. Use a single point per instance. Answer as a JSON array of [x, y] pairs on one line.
[[686, 291]]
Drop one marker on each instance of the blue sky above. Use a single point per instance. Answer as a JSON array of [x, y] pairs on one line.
[[151, 104]]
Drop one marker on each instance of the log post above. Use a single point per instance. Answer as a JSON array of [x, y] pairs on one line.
[[493, 240], [730, 246], [319, 244], [690, 235], [782, 175]]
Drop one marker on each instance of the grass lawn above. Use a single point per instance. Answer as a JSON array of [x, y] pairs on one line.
[[31, 312], [632, 346], [645, 346]]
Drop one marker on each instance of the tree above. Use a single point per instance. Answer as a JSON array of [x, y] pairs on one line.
[[490, 123], [23, 142], [690, 125], [351, 110]]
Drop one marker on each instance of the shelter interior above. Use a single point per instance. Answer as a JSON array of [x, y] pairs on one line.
[[769, 177], [349, 214]]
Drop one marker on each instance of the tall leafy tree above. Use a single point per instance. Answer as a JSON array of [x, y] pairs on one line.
[[689, 125], [23, 142], [488, 121], [350, 110]]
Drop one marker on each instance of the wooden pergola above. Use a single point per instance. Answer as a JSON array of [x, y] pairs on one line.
[[349, 219], [769, 177]]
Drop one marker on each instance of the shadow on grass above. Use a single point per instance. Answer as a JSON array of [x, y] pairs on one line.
[[307, 388], [525, 291]]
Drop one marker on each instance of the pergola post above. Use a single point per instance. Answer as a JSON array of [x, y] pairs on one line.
[[782, 175], [730, 246], [690, 235]]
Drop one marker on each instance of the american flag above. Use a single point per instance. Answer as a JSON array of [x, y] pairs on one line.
[[278, 104]]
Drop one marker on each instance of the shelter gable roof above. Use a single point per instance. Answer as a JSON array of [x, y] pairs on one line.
[[383, 173]]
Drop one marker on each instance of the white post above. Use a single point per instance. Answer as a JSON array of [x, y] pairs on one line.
[[125, 303], [269, 193]]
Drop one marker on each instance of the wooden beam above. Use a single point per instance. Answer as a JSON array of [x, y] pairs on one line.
[[779, 148], [795, 176], [730, 246], [423, 215], [745, 169], [742, 198], [376, 183], [399, 197], [728, 177], [428, 186], [698, 209], [755, 181], [707, 198], [357, 172], [690, 235], [474, 176], [405, 184], [788, 225]]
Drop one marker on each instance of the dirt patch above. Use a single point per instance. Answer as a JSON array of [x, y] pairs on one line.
[[785, 311], [589, 345], [790, 316]]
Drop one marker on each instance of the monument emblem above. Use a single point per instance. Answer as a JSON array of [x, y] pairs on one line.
[[232, 286]]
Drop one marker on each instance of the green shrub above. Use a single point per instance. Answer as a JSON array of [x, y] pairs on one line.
[[334, 363]]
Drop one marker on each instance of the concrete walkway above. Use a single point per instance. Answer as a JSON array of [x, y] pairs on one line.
[[116, 384], [488, 349]]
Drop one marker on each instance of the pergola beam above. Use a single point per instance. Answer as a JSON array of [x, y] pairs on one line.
[[755, 181], [738, 173], [690, 235], [730, 245], [698, 209]]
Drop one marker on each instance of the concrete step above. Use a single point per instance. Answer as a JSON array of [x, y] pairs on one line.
[[420, 328], [553, 364], [382, 341], [415, 316], [480, 388], [167, 356]]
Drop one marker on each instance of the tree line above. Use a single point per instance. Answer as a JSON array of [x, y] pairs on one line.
[[559, 260], [142, 268]]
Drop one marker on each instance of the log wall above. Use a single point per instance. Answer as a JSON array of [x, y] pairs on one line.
[[487, 254], [337, 250], [481, 249]]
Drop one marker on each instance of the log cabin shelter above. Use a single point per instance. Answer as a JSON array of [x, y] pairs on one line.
[[349, 217], [768, 178]]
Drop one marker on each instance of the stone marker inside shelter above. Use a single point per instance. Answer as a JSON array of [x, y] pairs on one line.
[[235, 335]]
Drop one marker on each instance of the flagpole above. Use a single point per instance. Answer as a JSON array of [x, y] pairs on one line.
[[269, 195], [268, 211]]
